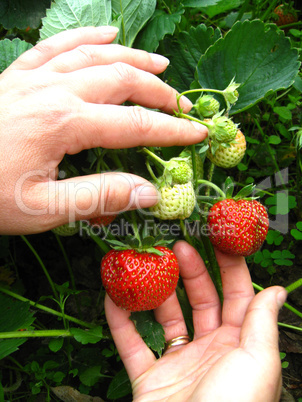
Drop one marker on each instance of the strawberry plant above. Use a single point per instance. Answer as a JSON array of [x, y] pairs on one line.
[[241, 69]]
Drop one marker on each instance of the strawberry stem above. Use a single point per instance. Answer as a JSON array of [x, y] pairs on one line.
[[45, 308], [51, 283], [212, 264], [151, 172], [294, 286], [213, 186], [187, 116], [155, 157], [286, 305]]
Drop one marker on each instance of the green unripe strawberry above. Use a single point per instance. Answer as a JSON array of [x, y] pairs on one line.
[[207, 106], [228, 155], [186, 153], [180, 170], [69, 229], [176, 202], [221, 129]]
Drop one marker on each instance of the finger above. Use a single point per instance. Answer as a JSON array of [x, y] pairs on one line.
[[170, 316], [54, 203], [114, 127], [135, 354], [200, 289], [259, 329], [63, 42], [237, 288], [93, 55], [121, 82], [259, 338]]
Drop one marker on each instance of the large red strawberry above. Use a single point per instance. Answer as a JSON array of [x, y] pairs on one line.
[[238, 227], [138, 281]]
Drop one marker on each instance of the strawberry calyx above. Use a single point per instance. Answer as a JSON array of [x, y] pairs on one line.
[[221, 129], [177, 170], [243, 194], [147, 244]]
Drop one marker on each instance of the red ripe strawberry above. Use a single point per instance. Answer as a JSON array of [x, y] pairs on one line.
[[238, 227], [103, 220], [138, 281], [285, 15]]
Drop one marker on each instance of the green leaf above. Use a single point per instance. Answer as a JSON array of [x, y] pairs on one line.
[[120, 386], [55, 344], [274, 237], [274, 139], [297, 233], [22, 13], [199, 3], [283, 112], [185, 53], [93, 335], [221, 7], [281, 203], [65, 14], [150, 330], [259, 69], [10, 50], [14, 315], [133, 15], [91, 376], [157, 28]]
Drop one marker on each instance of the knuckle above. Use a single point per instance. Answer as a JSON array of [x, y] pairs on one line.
[[125, 73], [140, 120], [86, 53], [44, 47]]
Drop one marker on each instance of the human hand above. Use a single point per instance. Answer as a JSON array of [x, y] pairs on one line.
[[234, 355], [64, 95]]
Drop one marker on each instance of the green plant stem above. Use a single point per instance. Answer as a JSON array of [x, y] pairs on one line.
[[135, 227], [52, 285], [151, 172], [293, 286], [185, 232], [35, 334], [192, 91], [46, 309], [66, 261], [193, 155], [213, 267], [213, 186], [298, 181], [286, 305], [187, 116], [103, 246], [155, 157], [268, 10], [281, 324]]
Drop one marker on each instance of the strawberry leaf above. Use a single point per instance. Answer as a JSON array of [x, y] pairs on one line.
[[150, 330], [259, 69]]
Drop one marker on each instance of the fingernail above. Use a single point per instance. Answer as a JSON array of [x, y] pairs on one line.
[[199, 127], [143, 196], [186, 103], [159, 60], [281, 298], [108, 30]]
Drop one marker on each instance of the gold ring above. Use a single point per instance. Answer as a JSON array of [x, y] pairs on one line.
[[179, 340]]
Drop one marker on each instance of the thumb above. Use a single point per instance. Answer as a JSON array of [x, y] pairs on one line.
[[259, 329], [81, 198]]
